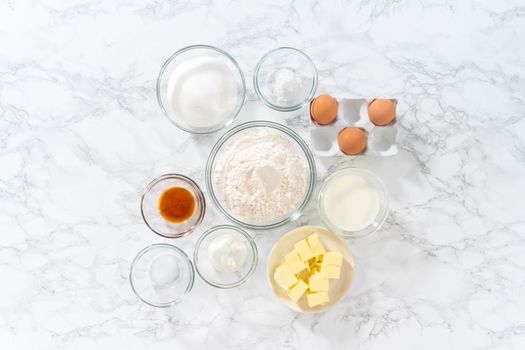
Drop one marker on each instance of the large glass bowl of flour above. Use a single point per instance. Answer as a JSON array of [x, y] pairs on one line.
[[201, 89], [260, 175]]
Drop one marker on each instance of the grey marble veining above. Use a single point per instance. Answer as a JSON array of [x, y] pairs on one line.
[[81, 135]]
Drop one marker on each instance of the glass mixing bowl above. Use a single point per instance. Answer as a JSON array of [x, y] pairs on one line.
[[182, 56], [149, 206], [161, 275], [234, 133], [204, 263], [272, 78], [383, 202]]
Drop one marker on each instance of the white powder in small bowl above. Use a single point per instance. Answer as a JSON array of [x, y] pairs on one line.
[[261, 175], [287, 87]]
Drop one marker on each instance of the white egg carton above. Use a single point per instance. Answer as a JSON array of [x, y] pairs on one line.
[[353, 112]]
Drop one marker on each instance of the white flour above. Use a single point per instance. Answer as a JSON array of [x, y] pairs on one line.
[[261, 175]]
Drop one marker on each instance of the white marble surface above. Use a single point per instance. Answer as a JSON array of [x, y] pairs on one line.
[[81, 135]]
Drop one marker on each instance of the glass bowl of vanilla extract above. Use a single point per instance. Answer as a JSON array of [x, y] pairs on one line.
[[172, 205]]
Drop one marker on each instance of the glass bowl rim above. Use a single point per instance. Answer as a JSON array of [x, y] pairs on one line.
[[302, 144], [184, 257], [161, 76], [378, 184], [196, 191], [253, 246], [297, 106]]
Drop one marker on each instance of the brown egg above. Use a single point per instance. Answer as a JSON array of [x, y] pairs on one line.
[[352, 140], [323, 109], [382, 111]]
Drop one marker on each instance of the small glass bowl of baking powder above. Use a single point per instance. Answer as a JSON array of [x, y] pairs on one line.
[[285, 79], [260, 175]]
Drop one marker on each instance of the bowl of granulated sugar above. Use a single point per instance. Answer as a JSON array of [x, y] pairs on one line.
[[260, 175]]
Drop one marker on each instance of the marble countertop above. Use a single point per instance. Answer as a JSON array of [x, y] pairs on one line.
[[81, 135]]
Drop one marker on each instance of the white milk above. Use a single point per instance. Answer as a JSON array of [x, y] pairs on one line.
[[350, 202], [202, 91]]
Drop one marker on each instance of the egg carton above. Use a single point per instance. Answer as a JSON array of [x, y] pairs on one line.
[[353, 112]]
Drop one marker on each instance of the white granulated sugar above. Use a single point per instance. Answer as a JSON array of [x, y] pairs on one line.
[[261, 175], [202, 91]]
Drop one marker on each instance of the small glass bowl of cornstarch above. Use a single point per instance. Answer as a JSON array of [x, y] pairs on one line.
[[260, 175]]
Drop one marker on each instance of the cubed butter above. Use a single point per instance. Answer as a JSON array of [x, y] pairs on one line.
[[333, 258], [304, 250], [312, 262], [315, 244], [315, 269], [330, 271], [284, 276], [297, 290], [316, 283], [317, 298], [305, 274], [295, 262]]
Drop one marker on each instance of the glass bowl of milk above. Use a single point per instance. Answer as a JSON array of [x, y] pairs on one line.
[[201, 89], [353, 202]]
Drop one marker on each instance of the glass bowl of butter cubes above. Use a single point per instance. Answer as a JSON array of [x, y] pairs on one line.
[[310, 269]]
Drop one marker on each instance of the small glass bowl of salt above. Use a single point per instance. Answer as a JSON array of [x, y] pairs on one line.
[[161, 275], [285, 79], [225, 256]]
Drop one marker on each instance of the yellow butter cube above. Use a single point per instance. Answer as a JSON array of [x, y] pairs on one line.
[[284, 276], [297, 290], [295, 262], [330, 271], [317, 298], [312, 264], [315, 244], [304, 250], [313, 267], [316, 283], [333, 258], [305, 274]]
